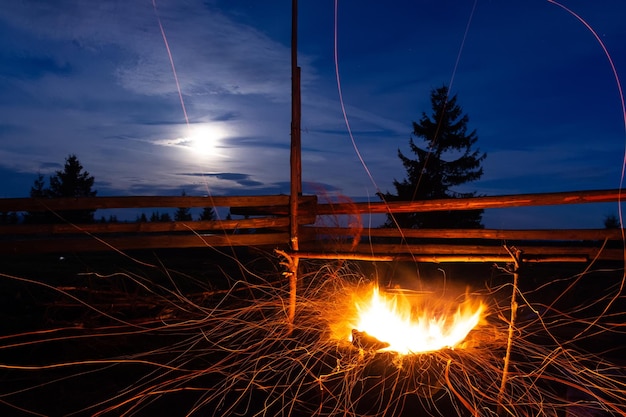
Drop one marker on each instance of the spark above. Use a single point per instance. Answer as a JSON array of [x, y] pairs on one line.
[[226, 348]]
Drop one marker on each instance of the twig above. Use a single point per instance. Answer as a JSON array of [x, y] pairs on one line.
[[516, 255], [291, 263]]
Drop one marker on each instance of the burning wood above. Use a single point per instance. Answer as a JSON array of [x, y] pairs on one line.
[[410, 325]]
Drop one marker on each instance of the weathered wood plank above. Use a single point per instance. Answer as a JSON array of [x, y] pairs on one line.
[[473, 251], [500, 234], [150, 227], [357, 256], [277, 223], [519, 200], [90, 244], [85, 203]]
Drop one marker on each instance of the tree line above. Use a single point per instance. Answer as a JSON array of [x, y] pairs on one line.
[[74, 181], [446, 158]]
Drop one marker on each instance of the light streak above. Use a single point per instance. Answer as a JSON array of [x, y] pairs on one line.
[[139, 345], [620, 91], [171, 59], [225, 348]]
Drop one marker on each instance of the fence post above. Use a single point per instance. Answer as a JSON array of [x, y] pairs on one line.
[[516, 254], [295, 164]]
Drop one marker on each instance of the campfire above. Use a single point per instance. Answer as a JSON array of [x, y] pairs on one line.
[[411, 323]]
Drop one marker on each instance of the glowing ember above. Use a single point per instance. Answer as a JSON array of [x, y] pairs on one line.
[[398, 325]]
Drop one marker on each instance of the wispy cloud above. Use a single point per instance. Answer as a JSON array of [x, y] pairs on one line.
[[94, 79]]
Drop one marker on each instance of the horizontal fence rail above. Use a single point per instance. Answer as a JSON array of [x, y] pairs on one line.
[[474, 203], [269, 229], [463, 245], [266, 222], [466, 245], [279, 203]]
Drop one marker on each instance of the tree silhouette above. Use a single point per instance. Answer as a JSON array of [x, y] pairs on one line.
[[183, 214], [72, 182], [39, 190], [160, 217], [447, 160], [112, 219], [611, 221], [208, 213]]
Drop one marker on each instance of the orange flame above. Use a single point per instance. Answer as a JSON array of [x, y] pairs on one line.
[[399, 325]]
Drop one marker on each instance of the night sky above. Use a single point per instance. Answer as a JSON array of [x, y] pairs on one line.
[[93, 78]]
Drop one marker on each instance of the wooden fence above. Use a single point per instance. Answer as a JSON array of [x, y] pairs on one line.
[[271, 229], [267, 222]]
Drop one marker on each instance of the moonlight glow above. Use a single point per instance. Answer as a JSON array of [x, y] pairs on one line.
[[203, 140]]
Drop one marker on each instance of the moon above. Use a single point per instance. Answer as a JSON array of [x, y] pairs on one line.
[[204, 140]]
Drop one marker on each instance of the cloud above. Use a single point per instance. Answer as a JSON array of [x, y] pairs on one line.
[[30, 67], [244, 180], [94, 78], [213, 54], [100, 85]]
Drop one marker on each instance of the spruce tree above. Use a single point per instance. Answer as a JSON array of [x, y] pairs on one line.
[[183, 214], [39, 190], [447, 159], [73, 182], [208, 213]]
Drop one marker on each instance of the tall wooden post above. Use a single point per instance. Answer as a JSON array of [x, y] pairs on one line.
[[295, 161]]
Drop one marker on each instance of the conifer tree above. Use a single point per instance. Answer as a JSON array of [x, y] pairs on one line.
[[72, 181], [183, 214], [208, 213], [39, 190], [447, 159]]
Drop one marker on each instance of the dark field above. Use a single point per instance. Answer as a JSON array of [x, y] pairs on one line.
[[199, 332]]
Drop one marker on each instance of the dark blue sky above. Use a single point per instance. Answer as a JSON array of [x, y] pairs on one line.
[[94, 79]]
